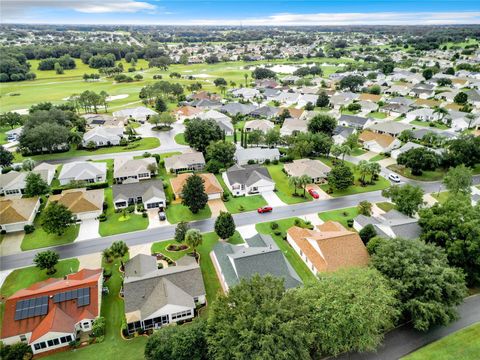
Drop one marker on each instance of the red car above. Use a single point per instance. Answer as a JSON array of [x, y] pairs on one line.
[[313, 193], [264, 209]]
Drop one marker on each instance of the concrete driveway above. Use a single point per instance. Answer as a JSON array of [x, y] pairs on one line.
[[247, 231], [216, 205], [154, 221], [322, 194], [386, 162], [272, 199], [88, 230], [90, 261], [11, 243]]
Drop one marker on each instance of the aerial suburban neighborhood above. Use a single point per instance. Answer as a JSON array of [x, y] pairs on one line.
[[293, 187]]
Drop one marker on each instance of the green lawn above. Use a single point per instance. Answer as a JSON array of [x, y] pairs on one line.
[[284, 190], [210, 279], [427, 124], [340, 215], [113, 310], [357, 188], [461, 345], [436, 175], [180, 139], [440, 197], [23, 278], [39, 238], [385, 206], [377, 115], [113, 225], [236, 204], [378, 157], [178, 212], [293, 258], [358, 151], [142, 144]]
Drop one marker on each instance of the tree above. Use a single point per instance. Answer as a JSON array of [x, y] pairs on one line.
[[166, 119], [263, 73], [28, 165], [352, 82], [200, 133], [257, 319], [295, 182], [461, 98], [194, 239], [224, 225], [180, 231], [221, 152], [154, 120], [419, 159], [193, 194], [407, 198], [46, 260], [6, 157], [322, 123], [427, 73], [428, 288], [365, 208], [458, 180], [11, 119], [118, 249], [220, 82], [455, 226], [35, 185], [57, 218], [323, 100], [363, 169], [340, 177], [303, 181], [272, 137], [178, 342], [368, 232], [347, 310], [406, 136], [160, 105], [75, 138], [255, 137], [17, 351]]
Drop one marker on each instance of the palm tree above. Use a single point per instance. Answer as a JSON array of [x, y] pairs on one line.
[[246, 78], [75, 138], [194, 239], [303, 181], [364, 169], [374, 169], [345, 150], [441, 112], [107, 255], [336, 151], [295, 182], [470, 118]]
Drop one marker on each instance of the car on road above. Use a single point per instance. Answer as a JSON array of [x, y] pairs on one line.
[[394, 178], [162, 216], [265, 209], [313, 193]]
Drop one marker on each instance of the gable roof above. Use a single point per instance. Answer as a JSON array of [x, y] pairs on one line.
[[331, 247], [147, 189], [82, 170], [255, 153], [212, 186], [125, 166], [17, 210], [184, 160], [384, 140], [80, 200], [309, 167], [248, 174]]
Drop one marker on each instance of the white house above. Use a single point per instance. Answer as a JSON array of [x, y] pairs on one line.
[[83, 171], [248, 180], [127, 170], [103, 136], [141, 113], [256, 154]]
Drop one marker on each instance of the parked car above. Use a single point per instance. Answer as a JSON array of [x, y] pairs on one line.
[[394, 178], [162, 216], [264, 209], [313, 193]]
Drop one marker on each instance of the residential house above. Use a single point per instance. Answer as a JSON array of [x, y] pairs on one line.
[[156, 297], [191, 161], [425, 114], [245, 93], [342, 99], [104, 120], [422, 93], [261, 125], [248, 180], [341, 134], [50, 314], [255, 154], [186, 112], [259, 255], [292, 126], [140, 114], [235, 108], [13, 183], [393, 109], [127, 170], [266, 112], [357, 122], [83, 171], [379, 143], [212, 187], [316, 170], [370, 97], [393, 128], [103, 136], [16, 213], [328, 248], [391, 224], [148, 192], [223, 121], [84, 204]]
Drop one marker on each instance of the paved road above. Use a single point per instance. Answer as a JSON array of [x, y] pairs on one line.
[[405, 340]]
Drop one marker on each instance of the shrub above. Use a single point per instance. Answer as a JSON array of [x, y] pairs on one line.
[[241, 208], [29, 229], [277, 232], [274, 225], [267, 162], [98, 327], [275, 162], [131, 208], [350, 222], [102, 217], [146, 154], [144, 214]]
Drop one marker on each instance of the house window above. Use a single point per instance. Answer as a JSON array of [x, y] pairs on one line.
[[40, 345], [66, 339], [53, 342], [86, 325], [23, 338], [181, 314]]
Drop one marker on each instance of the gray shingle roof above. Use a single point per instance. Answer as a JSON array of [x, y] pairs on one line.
[[248, 174], [146, 189]]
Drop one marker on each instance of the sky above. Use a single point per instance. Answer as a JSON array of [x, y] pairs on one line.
[[237, 12]]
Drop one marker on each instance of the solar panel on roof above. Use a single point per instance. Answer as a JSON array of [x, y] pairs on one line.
[[31, 307]]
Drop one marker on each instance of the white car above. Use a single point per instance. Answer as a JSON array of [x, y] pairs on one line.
[[394, 178]]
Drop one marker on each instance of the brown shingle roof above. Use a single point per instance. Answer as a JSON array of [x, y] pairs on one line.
[[212, 186], [16, 210], [80, 200], [383, 140], [331, 247], [370, 97]]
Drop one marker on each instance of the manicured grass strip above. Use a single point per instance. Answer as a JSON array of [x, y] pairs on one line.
[[180, 139], [340, 215], [427, 124], [113, 310], [358, 151], [284, 190], [462, 344], [440, 197], [377, 115], [240, 203], [142, 144], [292, 257], [178, 212], [436, 175], [380, 184], [39, 238], [113, 225], [378, 157], [385, 206]]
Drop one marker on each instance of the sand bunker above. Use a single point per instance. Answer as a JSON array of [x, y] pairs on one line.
[[117, 97]]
